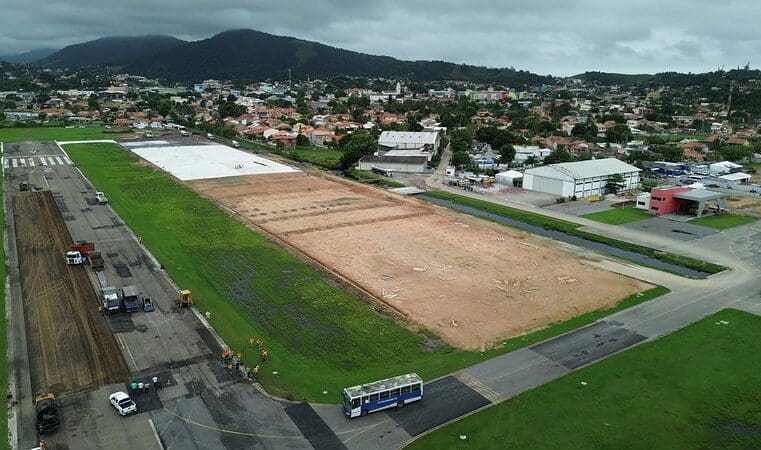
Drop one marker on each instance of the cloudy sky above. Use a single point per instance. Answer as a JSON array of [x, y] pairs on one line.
[[544, 36]]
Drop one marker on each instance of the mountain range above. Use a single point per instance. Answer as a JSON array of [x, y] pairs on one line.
[[242, 55], [28, 57]]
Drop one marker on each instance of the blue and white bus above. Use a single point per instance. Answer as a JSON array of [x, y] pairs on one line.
[[397, 391]]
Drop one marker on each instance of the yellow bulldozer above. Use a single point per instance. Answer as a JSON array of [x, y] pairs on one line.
[[184, 298]]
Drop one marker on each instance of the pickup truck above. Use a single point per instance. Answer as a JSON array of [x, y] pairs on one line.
[[100, 197]]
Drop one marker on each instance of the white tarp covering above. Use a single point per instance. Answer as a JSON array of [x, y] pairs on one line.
[[199, 162]]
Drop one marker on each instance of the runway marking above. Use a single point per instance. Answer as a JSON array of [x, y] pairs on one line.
[[51, 160], [22, 161], [359, 430], [31, 162], [42, 160], [6, 163], [58, 160], [15, 164]]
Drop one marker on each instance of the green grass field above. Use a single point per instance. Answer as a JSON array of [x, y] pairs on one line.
[[619, 216], [573, 230], [55, 134], [366, 176], [697, 388], [320, 336], [723, 221], [329, 159]]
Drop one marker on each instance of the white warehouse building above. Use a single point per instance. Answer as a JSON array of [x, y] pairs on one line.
[[582, 178]]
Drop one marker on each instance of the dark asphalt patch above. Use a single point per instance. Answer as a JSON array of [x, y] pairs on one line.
[[311, 425], [120, 322], [443, 400], [209, 340], [122, 270], [588, 344], [146, 400]]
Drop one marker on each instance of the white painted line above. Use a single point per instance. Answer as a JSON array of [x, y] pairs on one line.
[[15, 163], [155, 434], [42, 160], [51, 160], [31, 162], [68, 161], [22, 161], [6, 163], [58, 160]]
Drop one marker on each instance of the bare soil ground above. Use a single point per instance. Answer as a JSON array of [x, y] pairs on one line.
[[469, 281], [745, 206], [70, 345]]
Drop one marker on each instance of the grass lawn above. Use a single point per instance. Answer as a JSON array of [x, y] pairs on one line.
[[320, 336], [366, 176], [573, 229], [329, 159], [697, 388], [723, 221], [56, 133], [619, 216]]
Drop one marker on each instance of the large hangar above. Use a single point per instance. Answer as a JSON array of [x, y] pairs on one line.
[[582, 178]]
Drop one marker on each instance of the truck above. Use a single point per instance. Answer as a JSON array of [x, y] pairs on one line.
[[131, 298], [78, 252], [111, 301], [100, 197], [46, 409], [236, 144]]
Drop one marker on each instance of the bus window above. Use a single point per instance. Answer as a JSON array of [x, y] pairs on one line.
[[405, 390], [395, 392], [365, 399], [416, 387], [384, 395], [373, 397], [355, 403]]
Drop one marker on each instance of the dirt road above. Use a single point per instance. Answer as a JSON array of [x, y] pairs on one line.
[[70, 346]]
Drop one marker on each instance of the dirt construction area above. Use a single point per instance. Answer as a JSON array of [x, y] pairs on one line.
[[469, 281], [69, 343]]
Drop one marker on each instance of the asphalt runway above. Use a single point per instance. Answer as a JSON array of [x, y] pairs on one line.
[[311, 425], [443, 400], [587, 344]]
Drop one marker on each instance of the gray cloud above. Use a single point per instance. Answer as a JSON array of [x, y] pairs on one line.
[[544, 36]]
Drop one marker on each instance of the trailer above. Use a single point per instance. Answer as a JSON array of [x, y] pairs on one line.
[[95, 259], [131, 298]]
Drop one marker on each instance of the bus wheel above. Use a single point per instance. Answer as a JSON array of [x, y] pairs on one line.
[[400, 404]]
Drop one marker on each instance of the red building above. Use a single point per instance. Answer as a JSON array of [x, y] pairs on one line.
[[662, 200]]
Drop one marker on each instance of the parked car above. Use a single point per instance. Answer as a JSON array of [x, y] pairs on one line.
[[123, 404], [101, 198]]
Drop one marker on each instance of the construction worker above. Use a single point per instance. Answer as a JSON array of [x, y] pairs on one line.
[[251, 342], [265, 353], [256, 372]]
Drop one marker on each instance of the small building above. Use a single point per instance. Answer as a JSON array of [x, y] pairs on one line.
[[508, 178], [724, 167], [736, 178], [643, 201], [405, 143], [580, 179], [410, 164], [683, 200]]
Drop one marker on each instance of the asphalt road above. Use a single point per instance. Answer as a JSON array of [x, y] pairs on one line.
[[204, 407]]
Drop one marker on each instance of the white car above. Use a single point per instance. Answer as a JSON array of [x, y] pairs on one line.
[[100, 197], [123, 404]]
